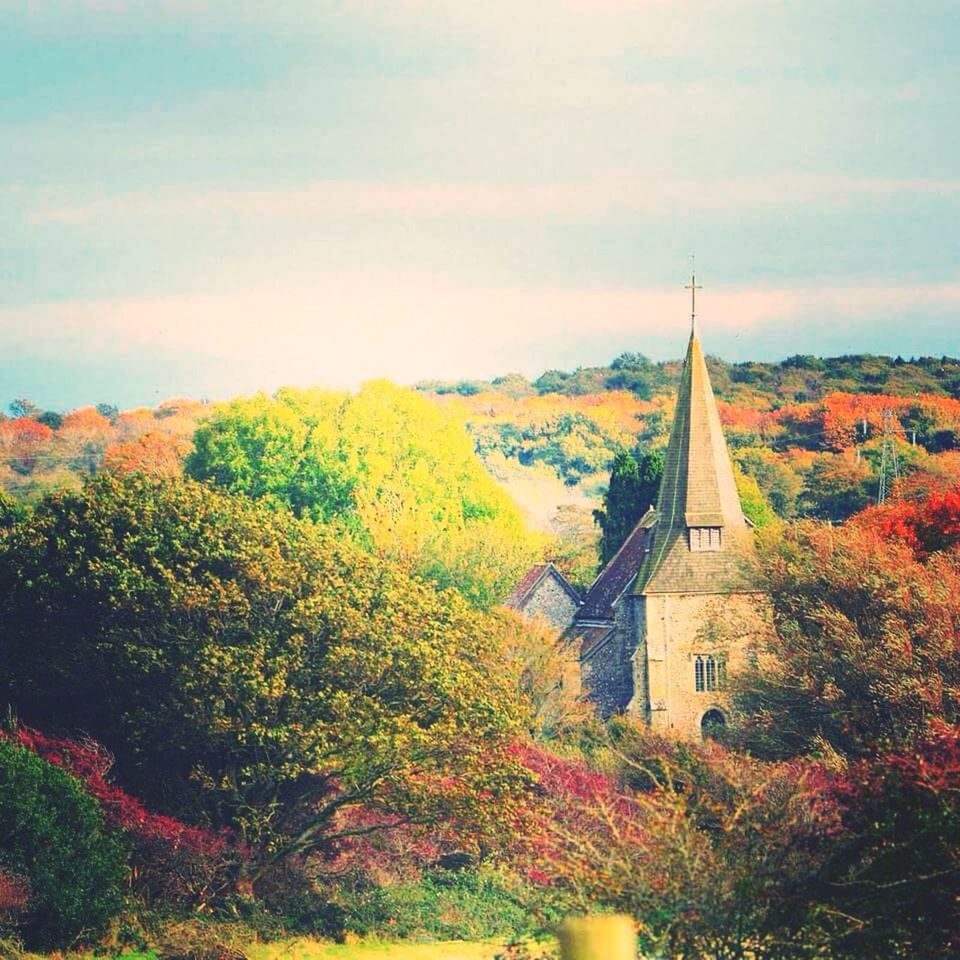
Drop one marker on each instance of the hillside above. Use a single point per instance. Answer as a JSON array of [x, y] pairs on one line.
[[807, 430]]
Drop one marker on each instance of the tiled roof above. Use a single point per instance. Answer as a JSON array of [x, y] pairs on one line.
[[616, 575], [589, 637], [524, 590], [697, 490]]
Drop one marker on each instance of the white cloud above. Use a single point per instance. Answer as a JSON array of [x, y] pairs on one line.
[[348, 328]]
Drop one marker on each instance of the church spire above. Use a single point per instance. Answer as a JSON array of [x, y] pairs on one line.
[[699, 521]]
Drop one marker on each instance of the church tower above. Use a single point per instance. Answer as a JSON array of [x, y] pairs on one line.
[[673, 610]]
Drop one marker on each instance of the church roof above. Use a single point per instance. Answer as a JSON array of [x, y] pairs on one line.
[[616, 575], [532, 579], [590, 638], [697, 490]]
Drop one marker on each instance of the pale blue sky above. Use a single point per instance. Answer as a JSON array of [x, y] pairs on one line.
[[208, 198]]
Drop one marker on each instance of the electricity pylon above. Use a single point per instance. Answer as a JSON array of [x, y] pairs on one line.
[[889, 460]]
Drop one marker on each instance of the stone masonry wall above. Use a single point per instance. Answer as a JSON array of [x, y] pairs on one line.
[[552, 602], [679, 627]]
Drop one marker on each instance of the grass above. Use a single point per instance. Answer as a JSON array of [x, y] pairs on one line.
[[306, 949], [372, 950]]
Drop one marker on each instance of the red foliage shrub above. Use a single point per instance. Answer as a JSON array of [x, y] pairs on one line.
[[90, 763], [894, 868], [705, 847], [172, 860]]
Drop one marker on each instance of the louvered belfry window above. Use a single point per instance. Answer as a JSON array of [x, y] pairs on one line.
[[703, 539]]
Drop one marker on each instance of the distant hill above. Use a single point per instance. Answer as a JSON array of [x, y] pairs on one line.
[[807, 430], [798, 379], [804, 432]]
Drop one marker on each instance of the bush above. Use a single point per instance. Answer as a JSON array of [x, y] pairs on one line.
[[55, 838], [443, 905]]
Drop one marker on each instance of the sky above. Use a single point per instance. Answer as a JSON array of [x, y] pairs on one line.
[[217, 197]]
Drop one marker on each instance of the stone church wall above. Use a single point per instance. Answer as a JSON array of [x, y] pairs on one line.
[[608, 671], [551, 602], [678, 628]]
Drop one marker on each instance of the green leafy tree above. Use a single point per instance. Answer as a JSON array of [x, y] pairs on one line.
[[52, 833], [752, 501], [634, 484], [836, 487], [283, 451], [247, 668], [399, 473], [636, 373]]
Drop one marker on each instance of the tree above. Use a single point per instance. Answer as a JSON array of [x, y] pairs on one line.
[[53, 836], [158, 454], [777, 481], [82, 437], [284, 451], [634, 484], [888, 884], [170, 861], [545, 672], [246, 668], [397, 472], [752, 501], [835, 487], [51, 418], [25, 442], [705, 848], [636, 373], [22, 407], [865, 650]]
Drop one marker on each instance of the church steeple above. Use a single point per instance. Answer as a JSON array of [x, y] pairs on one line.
[[700, 528]]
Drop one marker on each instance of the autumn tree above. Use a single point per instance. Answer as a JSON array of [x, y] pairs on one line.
[[82, 438], [247, 668], [25, 443], [866, 642], [888, 877], [154, 453], [710, 852], [545, 673]]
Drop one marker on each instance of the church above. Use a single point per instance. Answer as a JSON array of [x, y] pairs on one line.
[[674, 609]]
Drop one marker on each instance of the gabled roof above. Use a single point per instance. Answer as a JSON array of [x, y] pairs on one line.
[[532, 579], [590, 638], [617, 574], [697, 490]]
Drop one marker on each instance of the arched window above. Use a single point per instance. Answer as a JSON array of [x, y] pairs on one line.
[[709, 672]]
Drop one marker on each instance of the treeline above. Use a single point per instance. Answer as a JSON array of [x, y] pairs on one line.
[[798, 379], [808, 432], [806, 436]]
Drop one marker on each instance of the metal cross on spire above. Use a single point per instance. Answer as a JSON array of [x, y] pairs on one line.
[[693, 287]]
